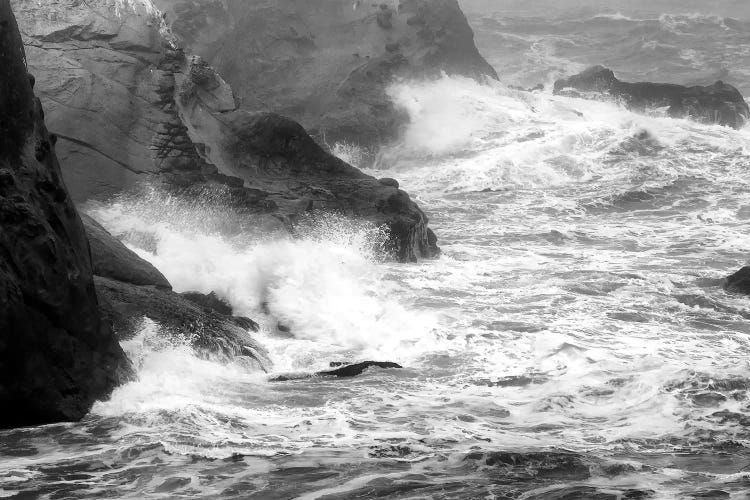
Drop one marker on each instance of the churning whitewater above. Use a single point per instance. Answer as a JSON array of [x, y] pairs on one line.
[[575, 318]]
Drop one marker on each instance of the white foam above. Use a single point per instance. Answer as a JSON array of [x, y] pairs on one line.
[[324, 285]]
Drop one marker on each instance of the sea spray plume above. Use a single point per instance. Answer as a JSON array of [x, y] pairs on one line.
[[321, 282]]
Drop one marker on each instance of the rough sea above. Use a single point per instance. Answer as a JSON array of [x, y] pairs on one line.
[[572, 341]]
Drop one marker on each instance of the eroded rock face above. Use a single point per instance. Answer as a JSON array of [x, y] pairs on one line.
[[56, 354], [719, 103], [129, 105], [327, 63]]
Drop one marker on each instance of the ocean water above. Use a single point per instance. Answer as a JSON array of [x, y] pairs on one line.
[[572, 341]]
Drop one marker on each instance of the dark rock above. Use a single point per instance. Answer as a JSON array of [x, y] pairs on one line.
[[718, 103], [211, 333], [209, 301], [274, 154], [112, 259], [387, 181], [345, 371], [357, 368], [739, 282], [56, 354]]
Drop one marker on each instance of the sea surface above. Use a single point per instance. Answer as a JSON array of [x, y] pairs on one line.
[[572, 341]]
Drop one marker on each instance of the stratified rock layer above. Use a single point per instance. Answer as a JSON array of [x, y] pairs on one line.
[[56, 355], [327, 63], [719, 103]]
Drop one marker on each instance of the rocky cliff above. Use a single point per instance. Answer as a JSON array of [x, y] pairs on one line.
[[327, 63], [56, 354], [128, 104]]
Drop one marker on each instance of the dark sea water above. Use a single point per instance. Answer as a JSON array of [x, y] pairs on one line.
[[573, 341]]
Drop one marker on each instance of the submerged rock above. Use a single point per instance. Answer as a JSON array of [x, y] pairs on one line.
[[719, 103], [56, 354]]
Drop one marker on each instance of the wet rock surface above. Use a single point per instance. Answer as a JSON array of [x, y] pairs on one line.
[[111, 259], [56, 354], [327, 64], [131, 289], [130, 106], [719, 103]]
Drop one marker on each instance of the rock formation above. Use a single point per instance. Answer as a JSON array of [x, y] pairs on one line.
[[739, 282], [129, 289], [128, 105], [718, 103], [327, 63], [56, 354]]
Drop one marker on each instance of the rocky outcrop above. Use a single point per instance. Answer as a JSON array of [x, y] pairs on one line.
[[739, 282], [719, 103], [130, 288], [111, 259], [56, 354], [288, 170], [327, 63], [128, 105]]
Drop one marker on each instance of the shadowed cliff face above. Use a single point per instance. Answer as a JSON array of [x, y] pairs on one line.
[[327, 63], [129, 106], [56, 355]]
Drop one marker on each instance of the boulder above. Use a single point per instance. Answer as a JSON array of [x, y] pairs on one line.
[[57, 356], [325, 63], [719, 103], [112, 259], [739, 282]]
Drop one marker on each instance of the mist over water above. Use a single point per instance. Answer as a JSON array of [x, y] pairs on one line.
[[577, 306]]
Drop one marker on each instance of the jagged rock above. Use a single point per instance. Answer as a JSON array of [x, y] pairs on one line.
[[719, 103], [130, 288], [56, 354], [211, 333], [111, 259], [209, 301], [295, 58], [739, 282]]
